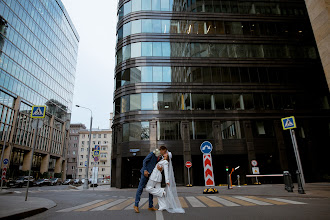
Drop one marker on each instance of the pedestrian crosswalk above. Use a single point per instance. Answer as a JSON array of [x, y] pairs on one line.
[[115, 204]]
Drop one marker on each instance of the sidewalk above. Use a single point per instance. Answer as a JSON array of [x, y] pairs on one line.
[[15, 207]]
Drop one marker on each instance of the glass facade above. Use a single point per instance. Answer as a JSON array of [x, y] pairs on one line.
[[39, 48], [38, 57], [221, 71]]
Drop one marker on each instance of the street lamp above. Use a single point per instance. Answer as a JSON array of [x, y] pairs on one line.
[[89, 147]]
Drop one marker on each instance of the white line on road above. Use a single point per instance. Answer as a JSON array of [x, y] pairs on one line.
[[106, 206], [159, 215], [252, 200], [194, 202], [288, 201], [80, 206], [142, 201], [223, 201]]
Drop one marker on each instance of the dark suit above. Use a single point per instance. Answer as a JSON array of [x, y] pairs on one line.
[[149, 164]]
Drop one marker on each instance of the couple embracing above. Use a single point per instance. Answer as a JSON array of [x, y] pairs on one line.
[[151, 177]]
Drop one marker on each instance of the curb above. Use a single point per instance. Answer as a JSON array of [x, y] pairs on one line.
[[25, 214]]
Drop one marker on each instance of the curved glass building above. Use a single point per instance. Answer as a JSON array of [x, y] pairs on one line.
[[188, 71]]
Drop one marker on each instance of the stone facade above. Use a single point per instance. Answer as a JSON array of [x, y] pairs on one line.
[[319, 14], [72, 153]]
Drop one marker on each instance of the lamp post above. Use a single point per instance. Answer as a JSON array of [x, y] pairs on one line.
[[89, 147]]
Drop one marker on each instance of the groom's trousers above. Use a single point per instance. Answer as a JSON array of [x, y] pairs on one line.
[[142, 184]]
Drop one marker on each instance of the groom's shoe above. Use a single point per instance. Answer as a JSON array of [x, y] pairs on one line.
[[136, 209], [152, 209]]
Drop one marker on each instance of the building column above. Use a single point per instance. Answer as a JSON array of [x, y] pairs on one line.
[[119, 155], [281, 145], [153, 135], [64, 169], [58, 165], [44, 164], [10, 145], [216, 127], [51, 129], [186, 151], [249, 143], [27, 160]]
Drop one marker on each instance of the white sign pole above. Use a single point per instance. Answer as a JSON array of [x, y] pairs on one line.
[[296, 152], [34, 142], [188, 176]]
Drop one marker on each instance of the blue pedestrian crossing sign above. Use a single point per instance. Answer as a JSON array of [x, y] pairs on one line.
[[38, 111], [288, 123]]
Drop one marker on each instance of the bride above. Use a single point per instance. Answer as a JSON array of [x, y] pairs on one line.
[[167, 198]]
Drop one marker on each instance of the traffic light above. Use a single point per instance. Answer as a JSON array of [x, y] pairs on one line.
[[227, 168]]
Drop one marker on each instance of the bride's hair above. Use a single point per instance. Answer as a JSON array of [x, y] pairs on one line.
[[167, 157]]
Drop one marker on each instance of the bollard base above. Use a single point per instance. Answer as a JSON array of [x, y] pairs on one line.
[[188, 185], [210, 191]]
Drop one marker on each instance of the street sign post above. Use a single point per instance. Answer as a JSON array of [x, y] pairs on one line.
[[254, 163], [188, 165], [37, 112], [255, 170], [3, 153], [289, 123], [206, 148]]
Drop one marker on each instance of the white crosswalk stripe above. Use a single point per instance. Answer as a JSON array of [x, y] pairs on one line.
[[109, 205], [288, 201], [194, 202], [223, 201], [80, 206], [252, 200]]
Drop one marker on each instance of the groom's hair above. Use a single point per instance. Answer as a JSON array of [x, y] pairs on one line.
[[162, 148]]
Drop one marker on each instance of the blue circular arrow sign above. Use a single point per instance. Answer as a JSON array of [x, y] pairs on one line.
[[206, 147], [5, 161]]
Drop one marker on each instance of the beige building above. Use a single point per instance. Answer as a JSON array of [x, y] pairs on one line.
[[319, 14], [101, 137]]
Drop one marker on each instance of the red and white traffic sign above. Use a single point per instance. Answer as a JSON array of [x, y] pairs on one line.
[[188, 164], [254, 163], [4, 169], [208, 170]]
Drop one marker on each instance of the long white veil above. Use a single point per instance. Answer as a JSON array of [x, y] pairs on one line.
[[172, 200]]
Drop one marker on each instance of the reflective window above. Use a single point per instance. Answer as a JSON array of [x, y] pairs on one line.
[[168, 130], [135, 131]]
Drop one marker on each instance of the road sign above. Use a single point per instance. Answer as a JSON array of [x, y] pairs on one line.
[[206, 147], [38, 111], [96, 159], [254, 163], [188, 164], [97, 147], [288, 123], [96, 153], [255, 170], [85, 163], [5, 161], [208, 170]]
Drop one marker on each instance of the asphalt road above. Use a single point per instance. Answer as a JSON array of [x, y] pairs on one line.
[[68, 200]]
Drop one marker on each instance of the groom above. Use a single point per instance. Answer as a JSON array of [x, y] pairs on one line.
[[149, 164]]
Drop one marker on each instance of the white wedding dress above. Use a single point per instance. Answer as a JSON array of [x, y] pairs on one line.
[[170, 201]]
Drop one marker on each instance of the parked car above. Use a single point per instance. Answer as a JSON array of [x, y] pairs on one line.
[[42, 182], [55, 181], [20, 181], [67, 182], [77, 181]]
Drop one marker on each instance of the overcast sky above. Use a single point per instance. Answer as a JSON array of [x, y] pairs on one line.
[[95, 22]]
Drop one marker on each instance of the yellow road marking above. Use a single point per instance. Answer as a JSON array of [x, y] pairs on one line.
[[267, 200], [183, 202], [145, 206], [122, 205], [209, 202], [238, 201], [93, 206]]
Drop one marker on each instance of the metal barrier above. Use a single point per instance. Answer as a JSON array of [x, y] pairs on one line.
[[288, 185]]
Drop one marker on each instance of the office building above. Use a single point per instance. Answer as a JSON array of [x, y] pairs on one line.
[[38, 60]]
